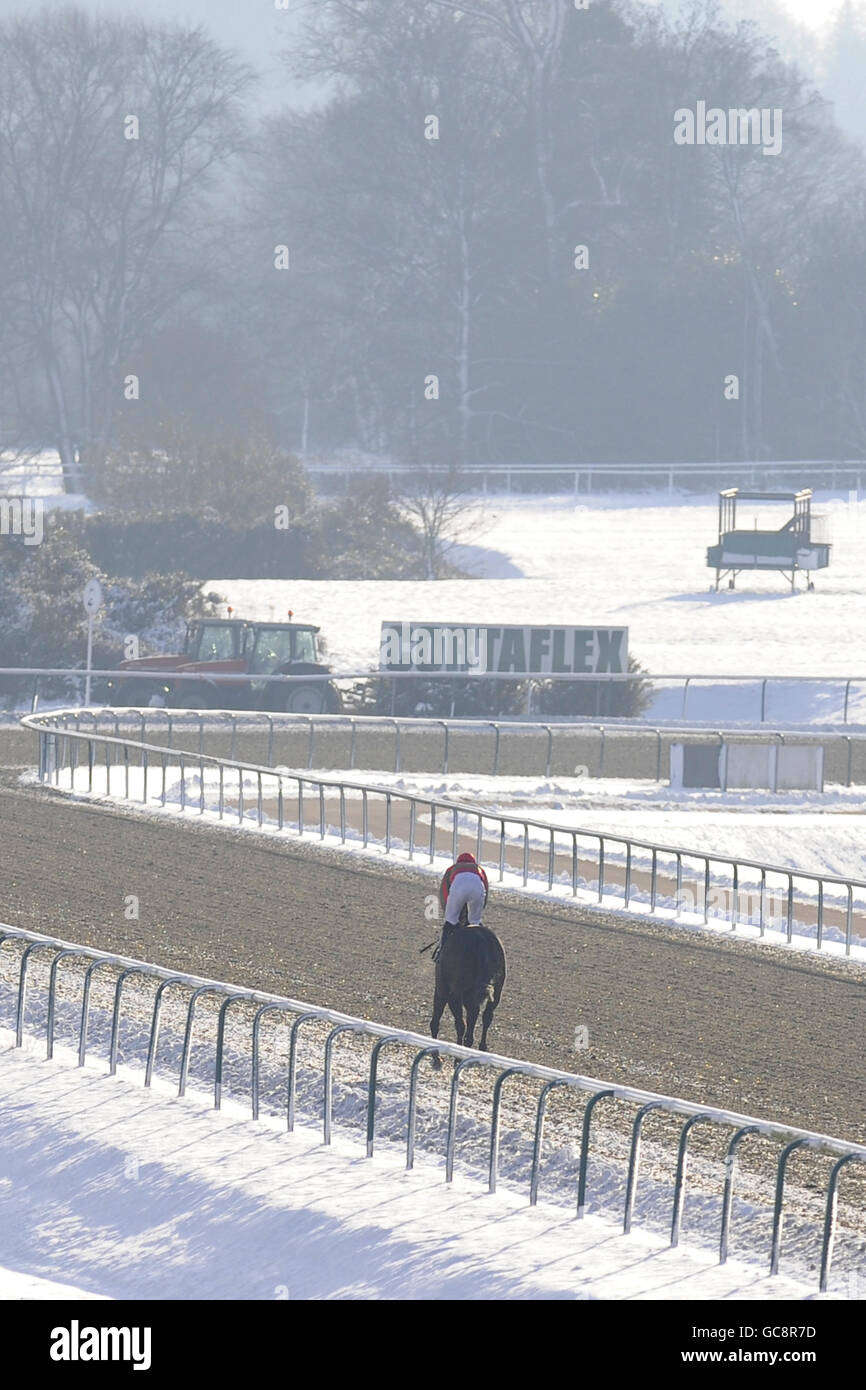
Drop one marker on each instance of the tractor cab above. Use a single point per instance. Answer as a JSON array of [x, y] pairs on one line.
[[215, 639], [288, 649], [271, 647]]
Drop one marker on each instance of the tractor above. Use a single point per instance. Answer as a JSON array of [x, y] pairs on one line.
[[234, 646]]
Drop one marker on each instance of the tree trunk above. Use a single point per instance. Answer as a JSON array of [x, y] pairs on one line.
[[65, 446], [544, 163], [464, 309], [305, 424]]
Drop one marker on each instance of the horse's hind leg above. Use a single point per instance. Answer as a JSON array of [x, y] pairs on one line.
[[489, 1011], [486, 1020], [471, 1020], [457, 1010], [438, 1010]]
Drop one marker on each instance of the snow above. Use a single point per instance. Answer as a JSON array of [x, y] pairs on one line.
[[14, 1284], [39, 475], [819, 833], [164, 1198], [638, 562]]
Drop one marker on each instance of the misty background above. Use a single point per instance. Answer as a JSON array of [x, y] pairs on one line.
[[287, 259], [826, 37]]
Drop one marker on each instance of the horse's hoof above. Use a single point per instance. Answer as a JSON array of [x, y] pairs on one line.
[[437, 1062]]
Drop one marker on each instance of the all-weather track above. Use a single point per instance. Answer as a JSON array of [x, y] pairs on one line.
[[713, 1020]]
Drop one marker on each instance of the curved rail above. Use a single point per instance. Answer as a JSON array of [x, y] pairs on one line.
[[553, 742], [291, 1012], [611, 871]]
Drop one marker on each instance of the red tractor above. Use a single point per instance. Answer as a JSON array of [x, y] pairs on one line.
[[234, 646]]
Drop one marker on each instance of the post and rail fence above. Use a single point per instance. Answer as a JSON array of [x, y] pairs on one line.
[[22, 468], [584, 479], [690, 684], [599, 868], [499, 747], [33, 949]]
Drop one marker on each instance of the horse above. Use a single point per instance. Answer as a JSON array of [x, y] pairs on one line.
[[470, 972]]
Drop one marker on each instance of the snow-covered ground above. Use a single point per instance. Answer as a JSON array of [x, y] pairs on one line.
[[17, 1284], [127, 1193], [39, 475], [164, 1198], [820, 833], [635, 561]]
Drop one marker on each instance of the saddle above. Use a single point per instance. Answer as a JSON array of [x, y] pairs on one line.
[[447, 928]]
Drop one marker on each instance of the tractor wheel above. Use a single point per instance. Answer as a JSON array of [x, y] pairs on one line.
[[135, 696], [188, 698], [306, 699]]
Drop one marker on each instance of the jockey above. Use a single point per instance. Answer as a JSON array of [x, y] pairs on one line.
[[464, 885]]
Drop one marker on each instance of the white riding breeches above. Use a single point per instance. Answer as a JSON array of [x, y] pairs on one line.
[[467, 890]]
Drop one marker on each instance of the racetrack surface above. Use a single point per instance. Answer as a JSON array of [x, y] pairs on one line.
[[713, 1020]]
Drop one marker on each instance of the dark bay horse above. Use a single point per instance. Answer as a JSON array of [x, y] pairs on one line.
[[470, 972]]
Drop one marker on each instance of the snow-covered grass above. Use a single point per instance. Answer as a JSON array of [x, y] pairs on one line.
[[39, 475], [164, 1198], [813, 832], [18, 1284], [634, 561], [150, 1188]]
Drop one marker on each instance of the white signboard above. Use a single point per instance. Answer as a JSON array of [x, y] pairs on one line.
[[93, 597], [522, 651]]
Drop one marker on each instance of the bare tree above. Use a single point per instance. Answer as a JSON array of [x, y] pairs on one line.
[[535, 29], [111, 136], [764, 211], [433, 262], [402, 225], [438, 506]]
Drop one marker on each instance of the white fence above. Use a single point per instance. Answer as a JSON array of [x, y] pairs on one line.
[[755, 694], [615, 871], [579, 478], [37, 954]]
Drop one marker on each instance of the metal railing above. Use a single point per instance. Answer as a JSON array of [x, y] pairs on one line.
[[25, 466], [293, 1014], [601, 683], [562, 856], [500, 735], [588, 477]]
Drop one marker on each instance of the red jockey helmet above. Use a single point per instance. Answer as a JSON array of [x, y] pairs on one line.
[[466, 858]]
